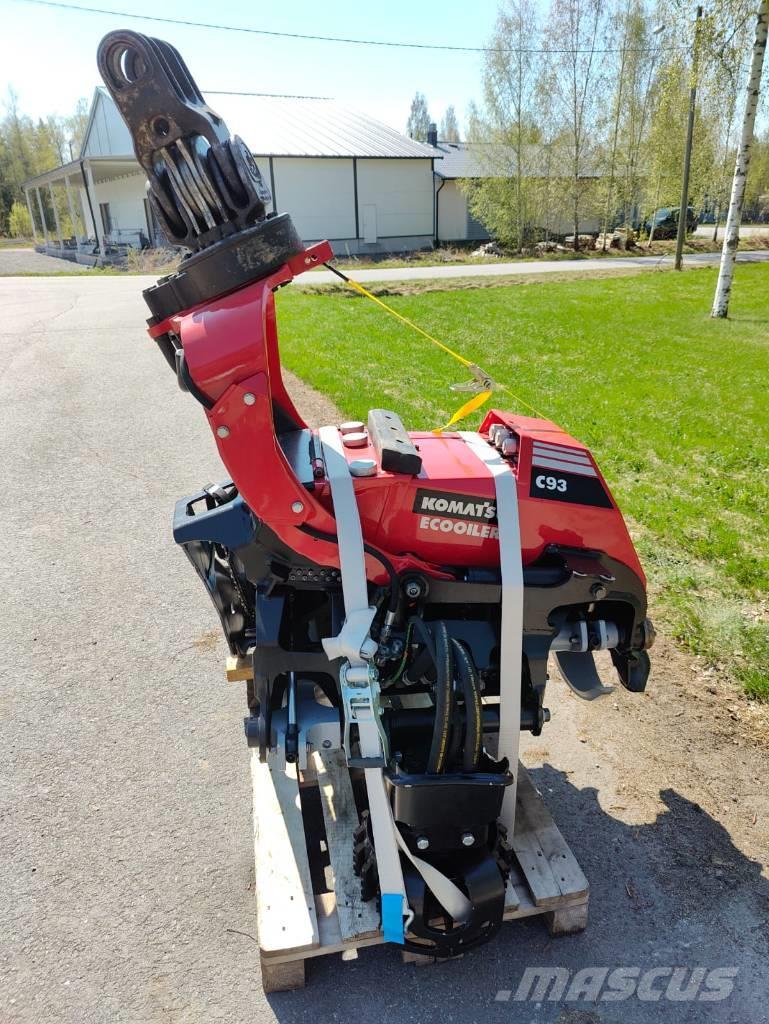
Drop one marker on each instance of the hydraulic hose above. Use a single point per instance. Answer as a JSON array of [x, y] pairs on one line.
[[468, 677], [436, 761]]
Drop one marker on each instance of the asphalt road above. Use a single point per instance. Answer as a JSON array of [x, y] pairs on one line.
[[125, 821], [26, 261], [531, 267]]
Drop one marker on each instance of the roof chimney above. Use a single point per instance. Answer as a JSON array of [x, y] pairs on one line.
[[432, 134]]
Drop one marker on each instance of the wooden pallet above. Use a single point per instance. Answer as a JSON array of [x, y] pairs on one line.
[[308, 898]]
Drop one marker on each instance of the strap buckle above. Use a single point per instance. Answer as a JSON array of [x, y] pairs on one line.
[[481, 381], [359, 686]]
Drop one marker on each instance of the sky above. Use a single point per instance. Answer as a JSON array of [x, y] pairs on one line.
[[48, 55]]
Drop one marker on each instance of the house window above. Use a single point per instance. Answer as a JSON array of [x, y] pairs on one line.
[[106, 218]]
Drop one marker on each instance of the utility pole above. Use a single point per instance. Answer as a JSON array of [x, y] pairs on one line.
[[684, 207], [732, 233]]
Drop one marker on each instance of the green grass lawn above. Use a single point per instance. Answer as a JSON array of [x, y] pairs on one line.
[[672, 404]]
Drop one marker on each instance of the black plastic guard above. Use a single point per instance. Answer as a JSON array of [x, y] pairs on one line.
[[479, 875], [209, 536]]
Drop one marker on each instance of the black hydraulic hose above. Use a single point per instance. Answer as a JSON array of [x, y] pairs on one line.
[[436, 761], [457, 730], [473, 710], [389, 568]]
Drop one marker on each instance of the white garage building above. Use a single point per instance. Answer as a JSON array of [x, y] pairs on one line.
[[340, 174]]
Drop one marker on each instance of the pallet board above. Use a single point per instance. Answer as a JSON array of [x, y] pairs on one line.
[[356, 918], [295, 922]]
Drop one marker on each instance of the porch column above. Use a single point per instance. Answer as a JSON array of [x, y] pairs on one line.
[[31, 217], [42, 216], [72, 212], [56, 215], [97, 224]]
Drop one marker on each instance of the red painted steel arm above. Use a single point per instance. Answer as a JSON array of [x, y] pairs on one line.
[[231, 351]]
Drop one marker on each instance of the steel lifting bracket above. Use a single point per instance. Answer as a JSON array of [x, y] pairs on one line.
[[204, 185]]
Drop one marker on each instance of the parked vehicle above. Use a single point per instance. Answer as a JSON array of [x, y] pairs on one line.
[[665, 222]]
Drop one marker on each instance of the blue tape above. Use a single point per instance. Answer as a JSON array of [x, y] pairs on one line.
[[392, 917]]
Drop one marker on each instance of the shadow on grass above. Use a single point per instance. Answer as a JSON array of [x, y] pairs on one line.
[[749, 319]]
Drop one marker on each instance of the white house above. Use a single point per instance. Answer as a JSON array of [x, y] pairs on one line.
[[457, 160], [340, 174]]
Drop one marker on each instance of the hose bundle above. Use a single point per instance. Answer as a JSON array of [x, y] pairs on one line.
[[449, 656]]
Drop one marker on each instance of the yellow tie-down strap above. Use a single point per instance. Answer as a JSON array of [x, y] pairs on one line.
[[482, 385]]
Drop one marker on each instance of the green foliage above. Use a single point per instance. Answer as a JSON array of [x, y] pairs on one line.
[[638, 370], [757, 185], [504, 134], [497, 203], [666, 140], [419, 120], [19, 221], [30, 147], [594, 130], [75, 127], [449, 126]]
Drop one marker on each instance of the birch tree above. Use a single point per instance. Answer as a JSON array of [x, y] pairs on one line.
[[634, 68], [449, 126], [574, 28], [734, 217], [505, 130], [663, 142], [419, 120]]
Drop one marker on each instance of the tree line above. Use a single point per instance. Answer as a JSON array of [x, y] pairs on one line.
[[27, 148], [582, 122]]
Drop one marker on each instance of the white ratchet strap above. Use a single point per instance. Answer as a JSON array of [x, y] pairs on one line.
[[353, 638], [511, 653], [348, 644]]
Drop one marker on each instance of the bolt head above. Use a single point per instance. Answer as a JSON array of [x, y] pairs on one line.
[[297, 507], [598, 591], [423, 843], [468, 839], [249, 398], [222, 431], [413, 590]]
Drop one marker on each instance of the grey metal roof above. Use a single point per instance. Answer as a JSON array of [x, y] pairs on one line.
[[283, 126], [470, 160], [274, 126], [494, 160]]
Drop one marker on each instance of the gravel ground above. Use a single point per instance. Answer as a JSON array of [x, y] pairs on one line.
[[27, 261], [125, 832]]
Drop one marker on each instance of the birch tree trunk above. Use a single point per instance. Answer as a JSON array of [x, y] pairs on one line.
[[732, 234]]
